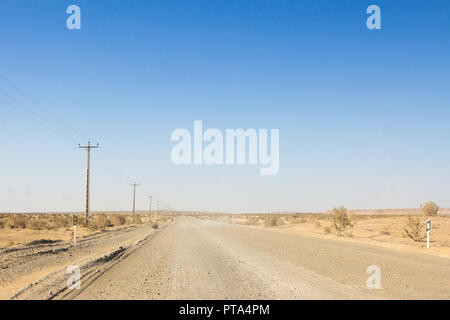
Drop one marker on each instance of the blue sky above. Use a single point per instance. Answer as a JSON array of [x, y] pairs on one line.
[[363, 114]]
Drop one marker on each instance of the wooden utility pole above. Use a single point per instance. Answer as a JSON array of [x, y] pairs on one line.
[[88, 148], [150, 203], [134, 185]]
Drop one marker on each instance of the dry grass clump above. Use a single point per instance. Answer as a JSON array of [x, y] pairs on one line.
[[317, 225], [430, 209], [340, 221], [349, 234], [37, 223], [327, 230], [136, 220], [253, 221], [16, 221], [281, 221], [118, 220], [56, 221], [99, 221], [270, 221], [298, 218], [414, 228]]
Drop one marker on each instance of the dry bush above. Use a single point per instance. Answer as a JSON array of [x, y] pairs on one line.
[[253, 221], [317, 225], [327, 230], [414, 228], [280, 221], [57, 221], [16, 221], [37, 223], [430, 209], [349, 234], [99, 221], [118, 220], [136, 220], [340, 221], [270, 221]]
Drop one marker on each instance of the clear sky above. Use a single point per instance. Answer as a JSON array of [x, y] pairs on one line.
[[363, 114]]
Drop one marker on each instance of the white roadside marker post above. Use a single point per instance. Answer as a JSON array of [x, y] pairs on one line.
[[428, 224]]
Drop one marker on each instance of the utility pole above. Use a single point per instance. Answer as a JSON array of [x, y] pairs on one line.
[[158, 209], [134, 185], [88, 148]]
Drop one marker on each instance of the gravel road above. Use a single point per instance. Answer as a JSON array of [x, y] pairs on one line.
[[195, 259]]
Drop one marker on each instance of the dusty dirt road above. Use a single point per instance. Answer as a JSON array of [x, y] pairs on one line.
[[194, 259], [37, 270]]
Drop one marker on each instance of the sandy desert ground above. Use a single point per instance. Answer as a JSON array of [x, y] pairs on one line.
[[213, 257], [385, 230]]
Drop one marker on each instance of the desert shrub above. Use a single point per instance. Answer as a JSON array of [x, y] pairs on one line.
[[16, 221], [349, 234], [136, 220], [99, 221], [327, 230], [37, 223], [253, 221], [429, 209], [270, 221], [2, 224], [155, 226], [118, 220], [317, 225], [60, 221], [414, 228], [340, 221]]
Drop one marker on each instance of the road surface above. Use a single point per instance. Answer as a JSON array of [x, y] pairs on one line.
[[196, 259]]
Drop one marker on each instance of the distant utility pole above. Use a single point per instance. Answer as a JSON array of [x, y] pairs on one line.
[[150, 204], [88, 148], [158, 208], [134, 185]]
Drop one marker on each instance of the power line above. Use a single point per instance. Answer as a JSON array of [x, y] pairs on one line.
[[62, 128], [34, 101], [37, 114], [37, 120]]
